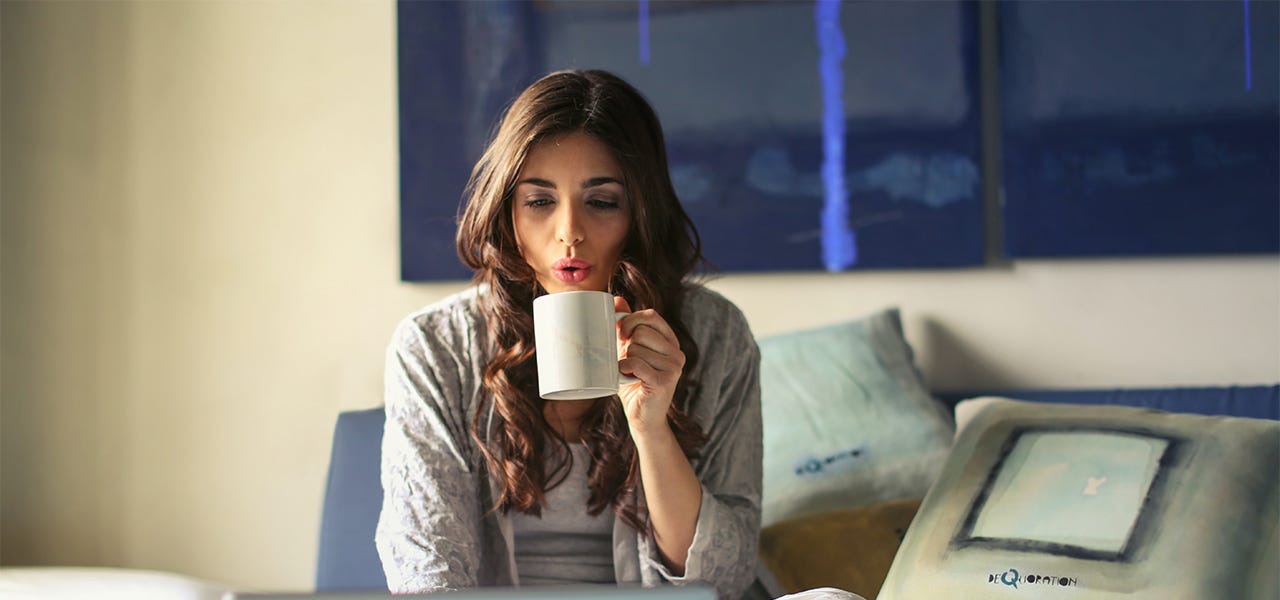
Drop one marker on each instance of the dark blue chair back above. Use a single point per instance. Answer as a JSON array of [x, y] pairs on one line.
[[352, 500]]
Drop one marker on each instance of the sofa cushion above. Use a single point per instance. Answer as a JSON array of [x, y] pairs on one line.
[[849, 549], [1109, 501], [848, 420]]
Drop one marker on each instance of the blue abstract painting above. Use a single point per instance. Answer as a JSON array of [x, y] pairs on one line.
[[801, 135], [1140, 127]]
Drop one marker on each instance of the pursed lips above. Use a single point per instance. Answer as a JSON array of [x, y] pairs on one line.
[[571, 269]]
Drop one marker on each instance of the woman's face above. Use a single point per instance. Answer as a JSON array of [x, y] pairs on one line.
[[570, 213]]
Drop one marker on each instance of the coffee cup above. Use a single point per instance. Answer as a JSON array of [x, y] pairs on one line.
[[576, 337]]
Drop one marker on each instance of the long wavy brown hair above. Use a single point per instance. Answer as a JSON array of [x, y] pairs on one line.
[[522, 450]]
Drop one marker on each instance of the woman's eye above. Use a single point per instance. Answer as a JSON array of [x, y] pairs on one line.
[[537, 202], [603, 203]]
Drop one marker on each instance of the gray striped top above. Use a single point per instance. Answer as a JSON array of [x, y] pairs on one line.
[[565, 545]]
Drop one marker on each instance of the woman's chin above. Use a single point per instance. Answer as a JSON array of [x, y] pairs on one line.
[[556, 286]]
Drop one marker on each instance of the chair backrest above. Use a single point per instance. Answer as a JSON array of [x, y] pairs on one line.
[[348, 559]]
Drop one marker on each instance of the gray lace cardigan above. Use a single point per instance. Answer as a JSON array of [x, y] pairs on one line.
[[436, 531]]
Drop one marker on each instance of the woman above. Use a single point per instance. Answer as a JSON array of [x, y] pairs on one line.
[[484, 482]]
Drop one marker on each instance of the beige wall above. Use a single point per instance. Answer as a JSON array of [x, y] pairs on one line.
[[199, 253]]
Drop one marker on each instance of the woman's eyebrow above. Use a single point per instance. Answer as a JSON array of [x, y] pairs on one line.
[[538, 182], [594, 181]]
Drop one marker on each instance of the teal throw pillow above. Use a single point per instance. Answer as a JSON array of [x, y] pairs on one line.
[[848, 420]]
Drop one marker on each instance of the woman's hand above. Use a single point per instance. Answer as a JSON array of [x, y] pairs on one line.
[[649, 351]]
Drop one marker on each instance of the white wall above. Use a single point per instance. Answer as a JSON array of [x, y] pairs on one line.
[[1202, 321], [198, 242]]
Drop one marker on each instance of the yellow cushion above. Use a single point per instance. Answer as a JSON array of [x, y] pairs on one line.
[[849, 548]]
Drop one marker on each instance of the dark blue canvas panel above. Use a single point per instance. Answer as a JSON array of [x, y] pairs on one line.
[[1140, 128], [750, 114]]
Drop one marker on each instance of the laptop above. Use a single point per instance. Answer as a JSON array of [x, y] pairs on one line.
[[578, 592]]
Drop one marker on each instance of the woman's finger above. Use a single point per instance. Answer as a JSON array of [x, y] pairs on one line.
[[648, 318], [647, 373], [657, 360], [649, 338], [620, 304]]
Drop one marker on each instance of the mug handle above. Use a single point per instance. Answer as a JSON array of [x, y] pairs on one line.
[[623, 379]]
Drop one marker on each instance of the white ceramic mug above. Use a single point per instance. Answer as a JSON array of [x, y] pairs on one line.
[[577, 345]]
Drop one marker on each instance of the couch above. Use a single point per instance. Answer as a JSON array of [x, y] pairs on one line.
[[887, 440]]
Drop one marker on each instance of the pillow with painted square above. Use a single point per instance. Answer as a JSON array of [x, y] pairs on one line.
[[1110, 501]]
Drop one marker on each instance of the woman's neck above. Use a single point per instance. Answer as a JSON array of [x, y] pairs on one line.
[[565, 417]]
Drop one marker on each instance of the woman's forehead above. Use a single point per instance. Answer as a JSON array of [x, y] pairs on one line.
[[570, 155]]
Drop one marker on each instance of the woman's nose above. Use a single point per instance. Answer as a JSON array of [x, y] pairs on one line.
[[569, 227]]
